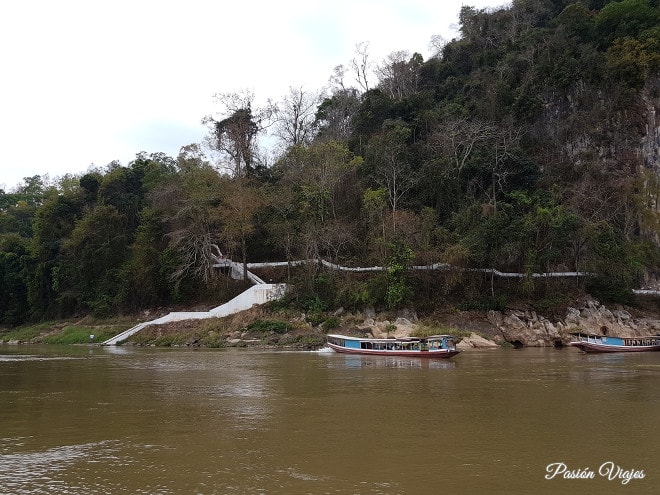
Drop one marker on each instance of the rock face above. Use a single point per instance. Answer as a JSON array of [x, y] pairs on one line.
[[527, 328]]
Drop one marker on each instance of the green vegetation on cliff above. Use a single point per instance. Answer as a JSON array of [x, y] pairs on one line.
[[527, 145]]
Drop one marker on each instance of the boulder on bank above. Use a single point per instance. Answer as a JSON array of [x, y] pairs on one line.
[[475, 341], [385, 329]]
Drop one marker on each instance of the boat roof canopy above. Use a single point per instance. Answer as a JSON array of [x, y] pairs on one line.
[[582, 334]]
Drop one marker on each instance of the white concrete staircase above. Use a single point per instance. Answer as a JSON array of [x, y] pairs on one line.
[[257, 294]]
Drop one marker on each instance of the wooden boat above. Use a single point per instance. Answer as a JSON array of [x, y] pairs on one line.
[[435, 346], [600, 343]]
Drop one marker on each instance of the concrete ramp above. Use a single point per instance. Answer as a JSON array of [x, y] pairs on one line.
[[255, 295]]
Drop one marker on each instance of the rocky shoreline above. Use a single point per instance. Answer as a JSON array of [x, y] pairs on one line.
[[522, 327], [525, 327], [528, 329], [476, 329]]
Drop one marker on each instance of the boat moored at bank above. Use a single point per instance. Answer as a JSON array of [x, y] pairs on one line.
[[603, 343], [435, 346]]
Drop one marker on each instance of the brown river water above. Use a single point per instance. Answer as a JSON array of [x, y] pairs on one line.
[[94, 420]]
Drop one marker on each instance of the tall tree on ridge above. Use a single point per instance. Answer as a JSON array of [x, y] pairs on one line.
[[234, 135]]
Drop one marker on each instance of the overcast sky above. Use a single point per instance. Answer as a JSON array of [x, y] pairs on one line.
[[85, 82]]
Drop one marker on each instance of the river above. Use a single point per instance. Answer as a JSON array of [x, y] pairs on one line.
[[105, 420]]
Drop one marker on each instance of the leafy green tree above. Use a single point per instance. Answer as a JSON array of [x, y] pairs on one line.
[[90, 184], [627, 18], [387, 156], [375, 208], [399, 292], [123, 188], [53, 224], [319, 174], [323, 200], [630, 62], [374, 110], [281, 221], [14, 308], [577, 21], [17, 216], [32, 190], [89, 276], [613, 260], [145, 276]]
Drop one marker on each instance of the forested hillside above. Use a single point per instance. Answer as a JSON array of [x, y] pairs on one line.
[[530, 144]]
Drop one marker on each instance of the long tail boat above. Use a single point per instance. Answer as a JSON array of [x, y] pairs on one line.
[[435, 346], [601, 343]]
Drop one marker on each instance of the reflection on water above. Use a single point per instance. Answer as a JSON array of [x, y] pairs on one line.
[[360, 361], [39, 467], [30, 357], [123, 420]]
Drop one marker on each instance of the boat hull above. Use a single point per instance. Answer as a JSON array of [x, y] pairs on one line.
[[436, 354]]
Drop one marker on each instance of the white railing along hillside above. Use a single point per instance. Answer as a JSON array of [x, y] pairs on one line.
[[262, 292], [433, 266], [439, 266]]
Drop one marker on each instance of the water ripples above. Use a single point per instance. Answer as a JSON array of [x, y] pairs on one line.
[[88, 468]]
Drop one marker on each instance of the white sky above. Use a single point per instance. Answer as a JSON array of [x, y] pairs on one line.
[[85, 82]]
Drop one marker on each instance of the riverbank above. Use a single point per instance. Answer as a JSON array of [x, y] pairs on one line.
[[261, 326], [276, 327]]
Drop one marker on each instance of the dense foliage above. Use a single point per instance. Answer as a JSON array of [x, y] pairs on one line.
[[523, 146]]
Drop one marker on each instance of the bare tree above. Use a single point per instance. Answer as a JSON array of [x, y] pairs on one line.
[[507, 142], [458, 137], [336, 80], [294, 116], [361, 65], [336, 236], [437, 45]]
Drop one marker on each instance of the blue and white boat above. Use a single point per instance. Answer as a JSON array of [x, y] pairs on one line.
[[602, 343], [435, 346]]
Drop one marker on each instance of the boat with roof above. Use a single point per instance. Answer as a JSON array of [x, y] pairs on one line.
[[434, 346], [603, 343]]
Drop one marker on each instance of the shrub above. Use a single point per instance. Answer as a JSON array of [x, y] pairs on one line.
[[331, 322], [265, 326], [315, 318], [497, 303]]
